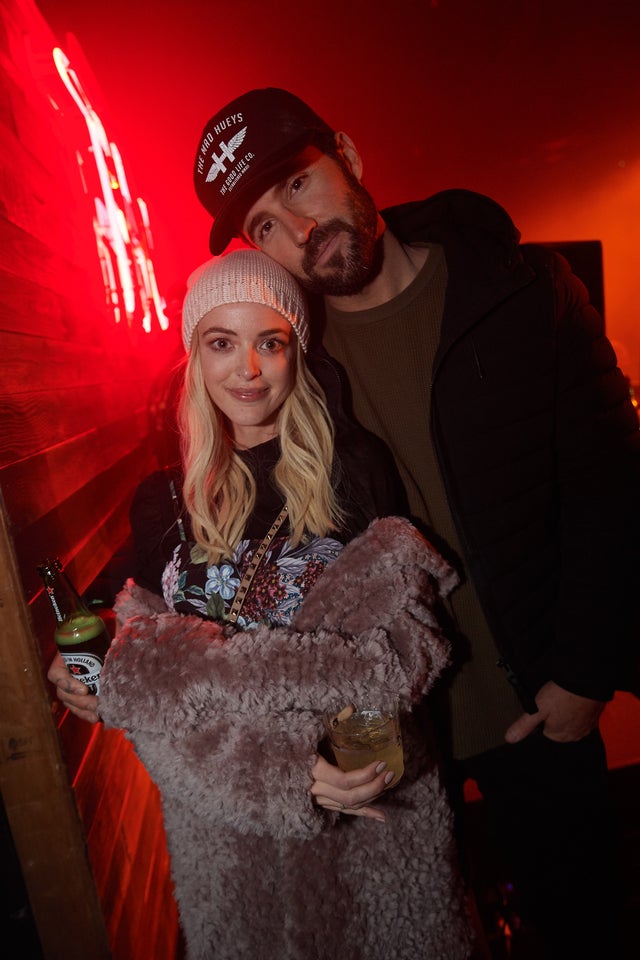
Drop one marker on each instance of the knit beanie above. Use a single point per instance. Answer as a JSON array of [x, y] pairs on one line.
[[244, 276]]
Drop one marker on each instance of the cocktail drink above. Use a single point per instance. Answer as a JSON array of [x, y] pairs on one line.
[[360, 735]]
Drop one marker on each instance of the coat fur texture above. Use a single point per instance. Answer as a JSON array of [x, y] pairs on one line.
[[228, 723]]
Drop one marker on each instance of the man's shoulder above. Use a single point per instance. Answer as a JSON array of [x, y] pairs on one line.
[[436, 217]]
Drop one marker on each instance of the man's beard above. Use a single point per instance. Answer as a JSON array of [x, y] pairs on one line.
[[346, 272]]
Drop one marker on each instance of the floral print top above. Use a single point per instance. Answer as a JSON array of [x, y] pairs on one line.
[[282, 579], [285, 573]]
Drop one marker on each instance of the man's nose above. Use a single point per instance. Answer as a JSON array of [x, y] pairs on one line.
[[299, 227]]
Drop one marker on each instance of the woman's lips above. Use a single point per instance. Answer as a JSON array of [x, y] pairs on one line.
[[248, 396]]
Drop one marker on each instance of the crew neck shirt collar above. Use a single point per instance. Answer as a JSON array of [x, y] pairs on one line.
[[397, 303]]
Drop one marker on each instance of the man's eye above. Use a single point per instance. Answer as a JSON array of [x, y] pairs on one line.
[[296, 184], [264, 230]]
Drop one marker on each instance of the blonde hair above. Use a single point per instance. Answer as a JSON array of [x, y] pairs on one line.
[[219, 489]]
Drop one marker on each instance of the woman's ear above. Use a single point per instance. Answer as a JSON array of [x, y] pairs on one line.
[[348, 152]]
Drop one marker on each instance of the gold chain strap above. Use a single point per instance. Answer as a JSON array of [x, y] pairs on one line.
[[250, 572]]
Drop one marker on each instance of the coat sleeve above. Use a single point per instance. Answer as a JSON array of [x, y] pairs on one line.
[[233, 722], [398, 599], [233, 719], [598, 451]]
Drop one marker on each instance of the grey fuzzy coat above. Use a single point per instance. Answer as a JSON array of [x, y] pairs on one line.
[[228, 724]]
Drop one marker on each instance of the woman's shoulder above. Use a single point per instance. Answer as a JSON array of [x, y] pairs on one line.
[[367, 471], [156, 486], [368, 480], [158, 522]]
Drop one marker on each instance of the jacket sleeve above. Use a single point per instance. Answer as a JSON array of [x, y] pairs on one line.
[[598, 464]]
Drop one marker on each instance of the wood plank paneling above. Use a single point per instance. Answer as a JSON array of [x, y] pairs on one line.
[[23, 302], [75, 391], [43, 422], [87, 526], [47, 262], [34, 486], [36, 794]]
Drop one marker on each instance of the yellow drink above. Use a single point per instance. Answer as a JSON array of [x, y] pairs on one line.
[[367, 735]]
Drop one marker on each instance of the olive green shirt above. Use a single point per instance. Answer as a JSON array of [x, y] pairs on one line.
[[388, 354]]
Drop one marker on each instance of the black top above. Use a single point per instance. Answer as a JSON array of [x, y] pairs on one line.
[[367, 486]]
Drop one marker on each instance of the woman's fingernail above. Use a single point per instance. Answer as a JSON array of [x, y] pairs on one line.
[[381, 766], [389, 777]]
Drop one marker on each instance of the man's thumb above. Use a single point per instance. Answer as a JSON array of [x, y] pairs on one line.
[[522, 727]]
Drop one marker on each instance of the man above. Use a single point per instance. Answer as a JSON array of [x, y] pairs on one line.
[[483, 366]]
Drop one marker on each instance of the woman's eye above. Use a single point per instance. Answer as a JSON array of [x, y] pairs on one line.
[[220, 343], [271, 345]]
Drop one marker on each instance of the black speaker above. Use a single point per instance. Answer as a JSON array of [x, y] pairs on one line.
[[585, 259]]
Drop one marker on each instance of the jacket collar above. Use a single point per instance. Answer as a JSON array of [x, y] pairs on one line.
[[481, 245]]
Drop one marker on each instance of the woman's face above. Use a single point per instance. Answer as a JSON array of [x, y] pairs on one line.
[[247, 354]]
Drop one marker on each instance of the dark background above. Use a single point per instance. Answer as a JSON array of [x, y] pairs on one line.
[[536, 103]]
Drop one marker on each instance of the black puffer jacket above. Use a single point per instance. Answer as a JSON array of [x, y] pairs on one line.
[[539, 449]]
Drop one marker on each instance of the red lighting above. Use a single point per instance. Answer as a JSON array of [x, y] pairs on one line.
[[121, 225]]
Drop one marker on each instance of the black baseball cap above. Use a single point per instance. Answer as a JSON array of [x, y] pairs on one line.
[[245, 149]]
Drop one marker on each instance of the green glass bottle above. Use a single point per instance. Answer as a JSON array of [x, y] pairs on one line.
[[81, 636]]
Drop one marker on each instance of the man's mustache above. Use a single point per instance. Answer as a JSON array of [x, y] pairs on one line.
[[319, 237]]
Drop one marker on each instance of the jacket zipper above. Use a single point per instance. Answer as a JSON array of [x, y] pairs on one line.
[[493, 621]]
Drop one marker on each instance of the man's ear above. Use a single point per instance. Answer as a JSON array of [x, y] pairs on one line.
[[348, 152]]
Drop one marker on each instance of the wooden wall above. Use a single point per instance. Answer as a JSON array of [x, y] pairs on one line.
[[75, 442]]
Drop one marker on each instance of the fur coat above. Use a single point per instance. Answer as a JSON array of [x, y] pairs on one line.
[[228, 725]]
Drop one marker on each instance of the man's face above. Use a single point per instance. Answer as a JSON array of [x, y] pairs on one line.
[[321, 225]]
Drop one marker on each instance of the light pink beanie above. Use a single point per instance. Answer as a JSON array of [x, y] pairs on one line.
[[244, 276]]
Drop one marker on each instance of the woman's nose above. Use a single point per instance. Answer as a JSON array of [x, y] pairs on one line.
[[250, 364]]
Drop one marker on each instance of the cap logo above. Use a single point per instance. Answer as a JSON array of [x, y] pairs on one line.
[[245, 149], [226, 152]]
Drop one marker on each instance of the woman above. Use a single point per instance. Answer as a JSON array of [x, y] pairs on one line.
[[256, 435], [280, 598]]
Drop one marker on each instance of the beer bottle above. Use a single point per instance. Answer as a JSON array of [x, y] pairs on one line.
[[81, 636]]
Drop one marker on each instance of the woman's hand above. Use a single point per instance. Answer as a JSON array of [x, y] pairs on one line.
[[71, 692], [350, 792]]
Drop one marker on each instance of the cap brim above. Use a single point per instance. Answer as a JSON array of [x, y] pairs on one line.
[[228, 223]]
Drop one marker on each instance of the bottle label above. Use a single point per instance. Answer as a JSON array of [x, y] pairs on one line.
[[54, 604], [85, 667]]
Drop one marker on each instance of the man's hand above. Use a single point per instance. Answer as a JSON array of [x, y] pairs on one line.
[[350, 792], [565, 716], [72, 692]]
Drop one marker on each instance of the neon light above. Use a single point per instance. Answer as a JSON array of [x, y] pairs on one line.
[[123, 235]]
